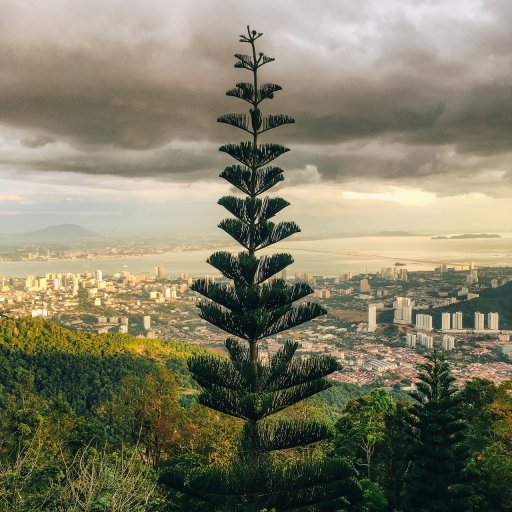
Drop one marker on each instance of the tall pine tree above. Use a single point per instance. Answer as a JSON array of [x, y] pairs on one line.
[[438, 481], [254, 306]]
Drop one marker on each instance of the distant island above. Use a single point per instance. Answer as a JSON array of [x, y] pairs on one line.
[[466, 236], [394, 233]]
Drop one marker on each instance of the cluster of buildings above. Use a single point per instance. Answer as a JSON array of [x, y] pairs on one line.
[[163, 306], [453, 321]]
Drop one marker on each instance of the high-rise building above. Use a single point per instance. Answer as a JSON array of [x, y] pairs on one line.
[[402, 275], [424, 322], [457, 320], [30, 282], [347, 276], [98, 275], [472, 277], [372, 318], [425, 340], [160, 272], [493, 321], [388, 273], [445, 321], [364, 285], [403, 310], [479, 321], [448, 342], [410, 339], [147, 322]]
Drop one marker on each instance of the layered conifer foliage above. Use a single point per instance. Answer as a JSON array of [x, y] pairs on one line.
[[253, 306], [439, 480]]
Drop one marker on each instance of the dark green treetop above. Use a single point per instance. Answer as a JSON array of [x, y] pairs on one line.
[[254, 306], [438, 481]]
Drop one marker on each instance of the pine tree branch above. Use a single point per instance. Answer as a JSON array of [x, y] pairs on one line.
[[254, 156], [301, 371], [284, 434], [312, 486], [249, 269], [211, 370], [290, 396], [293, 317], [236, 120], [252, 183], [260, 235], [253, 208], [245, 91], [274, 121], [240, 298], [259, 323]]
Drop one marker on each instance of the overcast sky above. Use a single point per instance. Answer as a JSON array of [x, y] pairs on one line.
[[403, 112]]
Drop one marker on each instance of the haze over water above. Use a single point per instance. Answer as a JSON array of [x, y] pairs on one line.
[[324, 257]]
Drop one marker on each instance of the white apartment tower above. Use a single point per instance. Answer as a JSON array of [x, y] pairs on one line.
[[457, 320], [448, 342], [493, 321], [147, 322], [403, 310], [445, 321], [425, 340], [410, 340], [479, 321], [424, 322], [372, 317]]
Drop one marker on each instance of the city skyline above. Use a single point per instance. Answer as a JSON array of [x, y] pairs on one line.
[[108, 113]]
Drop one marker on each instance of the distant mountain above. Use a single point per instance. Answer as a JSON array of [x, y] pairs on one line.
[[394, 233], [466, 236], [61, 233]]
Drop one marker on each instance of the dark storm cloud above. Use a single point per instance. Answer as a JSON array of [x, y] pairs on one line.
[[120, 82]]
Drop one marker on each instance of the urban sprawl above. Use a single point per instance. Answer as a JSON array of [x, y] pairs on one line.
[[380, 325]]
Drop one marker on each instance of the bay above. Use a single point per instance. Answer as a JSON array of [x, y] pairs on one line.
[[329, 257]]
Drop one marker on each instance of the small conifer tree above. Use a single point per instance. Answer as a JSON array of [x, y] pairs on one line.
[[438, 481], [254, 306]]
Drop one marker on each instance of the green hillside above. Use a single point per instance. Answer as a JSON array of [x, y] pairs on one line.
[[491, 300], [83, 368], [89, 422]]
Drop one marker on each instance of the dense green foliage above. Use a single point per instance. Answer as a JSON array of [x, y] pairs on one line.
[[438, 480], [107, 454], [82, 368], [79, 409]]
